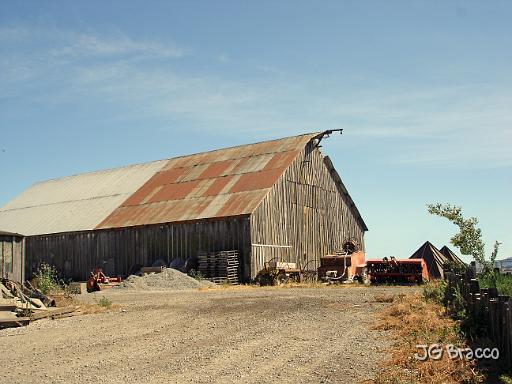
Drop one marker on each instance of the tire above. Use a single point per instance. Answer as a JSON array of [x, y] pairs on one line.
[[282, 278]]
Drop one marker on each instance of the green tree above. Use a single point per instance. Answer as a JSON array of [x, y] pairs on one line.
[[469, 237]]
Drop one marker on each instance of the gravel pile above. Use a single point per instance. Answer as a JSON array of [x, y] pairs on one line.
[[168, 279]]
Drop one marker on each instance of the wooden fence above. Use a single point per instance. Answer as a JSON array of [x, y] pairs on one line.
[[487, 307]]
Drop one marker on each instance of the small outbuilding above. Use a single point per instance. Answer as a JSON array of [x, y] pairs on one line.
[[434, 259], [450, 255], [12, 256]]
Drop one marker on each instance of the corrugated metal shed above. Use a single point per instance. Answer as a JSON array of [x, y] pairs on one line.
[[433, 258], [221, 183], [450, 255], [73, 203]]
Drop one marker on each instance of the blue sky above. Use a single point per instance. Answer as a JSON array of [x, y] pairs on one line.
[[423, 91]]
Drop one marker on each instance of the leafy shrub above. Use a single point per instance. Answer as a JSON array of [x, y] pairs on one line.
[[502, 282], [104, 302], [458, 305], [196, 274], [434, 292], [46, 278], [454, 267]]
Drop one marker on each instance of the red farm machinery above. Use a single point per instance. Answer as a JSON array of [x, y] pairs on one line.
[[346, 266], [394, 270]]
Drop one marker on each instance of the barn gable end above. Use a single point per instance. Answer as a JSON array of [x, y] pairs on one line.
[[307, 213]]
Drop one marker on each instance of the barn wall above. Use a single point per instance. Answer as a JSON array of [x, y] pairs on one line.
[[11, 257], [307, 210], [117, 250]]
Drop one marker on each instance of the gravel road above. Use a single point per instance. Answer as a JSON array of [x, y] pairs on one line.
[[240, 335]]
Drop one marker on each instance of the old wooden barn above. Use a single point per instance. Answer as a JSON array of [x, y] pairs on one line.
[[280, 200]]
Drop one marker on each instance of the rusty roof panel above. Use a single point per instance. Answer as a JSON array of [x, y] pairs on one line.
[[219, 183], [257, 180], [281, 160], [215, 205], [253, 164], [250, 150], [216, 169], [186, 210], [201, 187], [193, 172], [176, 191], [167, 177], [218, 186]]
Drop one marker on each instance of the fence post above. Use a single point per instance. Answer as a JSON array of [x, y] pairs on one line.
[[503, 334], [474, 286], [493, 293], [486, 306], [508, 333]]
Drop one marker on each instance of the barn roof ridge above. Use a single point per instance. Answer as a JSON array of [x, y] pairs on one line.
[[122, 167]]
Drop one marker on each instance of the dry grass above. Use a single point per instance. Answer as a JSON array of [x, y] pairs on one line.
[[66, 300], [88, 308], [412, 321], [382, 298], [318, 284]]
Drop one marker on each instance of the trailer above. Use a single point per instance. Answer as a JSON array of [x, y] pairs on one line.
[[392, 270]]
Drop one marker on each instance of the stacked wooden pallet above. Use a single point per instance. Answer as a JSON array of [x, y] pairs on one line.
[[220, 267]]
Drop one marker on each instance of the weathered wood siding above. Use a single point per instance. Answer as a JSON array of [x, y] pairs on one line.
[[307, 210], [11, 257], [117, 250]]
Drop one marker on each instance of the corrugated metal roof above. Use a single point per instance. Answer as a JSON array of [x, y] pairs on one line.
[[221, 183], [450, 255], [433, 258], [4, 233], [74, 203]]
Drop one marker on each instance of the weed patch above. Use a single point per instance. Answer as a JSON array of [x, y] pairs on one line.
[[381, 298], [434, 292], [414, 321], [104, 302], [46, 279]]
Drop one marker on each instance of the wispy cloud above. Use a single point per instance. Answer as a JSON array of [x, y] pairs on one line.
[[222, 58], [32, 52], [450, 124], [88, 44]]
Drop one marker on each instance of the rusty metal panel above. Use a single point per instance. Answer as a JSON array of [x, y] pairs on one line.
[[253, 163], [257, 180], [281, 160], [216, 169], [218, 186], [176, 191], [219, 183]]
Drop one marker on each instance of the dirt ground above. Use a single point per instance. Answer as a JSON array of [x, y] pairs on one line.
[[241, 335]]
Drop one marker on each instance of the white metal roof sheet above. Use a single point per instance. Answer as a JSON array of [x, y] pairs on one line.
[[74, 203]]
